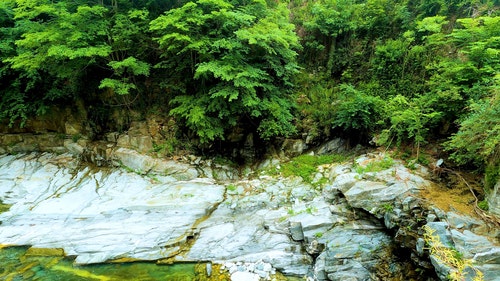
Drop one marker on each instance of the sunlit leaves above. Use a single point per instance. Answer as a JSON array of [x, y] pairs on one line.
[[236, 58]]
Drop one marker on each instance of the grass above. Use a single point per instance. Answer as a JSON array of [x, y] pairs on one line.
[[376, 166], [231, 187], [483, 205], [306, 166]]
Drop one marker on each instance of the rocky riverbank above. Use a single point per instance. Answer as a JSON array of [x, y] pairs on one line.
[[362, 219]]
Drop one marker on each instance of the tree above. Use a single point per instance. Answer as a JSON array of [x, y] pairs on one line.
[[231, 64], [63, 50]]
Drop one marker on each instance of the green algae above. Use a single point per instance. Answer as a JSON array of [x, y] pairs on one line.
[[18, 265], [4, 207], [25, 263]]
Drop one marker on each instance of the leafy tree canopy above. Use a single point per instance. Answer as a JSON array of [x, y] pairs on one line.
[[235, 60]]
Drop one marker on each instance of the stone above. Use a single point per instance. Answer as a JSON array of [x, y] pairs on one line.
[[462, 221], [98, 215], [244, 276], [293, 147], [208, 268], [296, 231], [494, 199], [491, 256], [334, 146], [420, 246], [372, 196], [74, 148], [491, 272], [345, 181], [73, 128], [470, 244], [441, 230], [133, 160]]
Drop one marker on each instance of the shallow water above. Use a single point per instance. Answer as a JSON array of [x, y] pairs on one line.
[[17, 264]]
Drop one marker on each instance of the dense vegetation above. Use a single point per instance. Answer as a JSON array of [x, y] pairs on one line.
[[395, 71]]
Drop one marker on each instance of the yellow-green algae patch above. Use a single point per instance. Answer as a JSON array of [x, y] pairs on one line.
[[4, 207]]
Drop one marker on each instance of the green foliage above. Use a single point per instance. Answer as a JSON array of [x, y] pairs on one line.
[[483, 205], [376, 165], [388, 207], [478, 139], [231, 187], [236, 60], [166, 148], [491, 176], [409, 120], [402, 70], [357, 111], [306, 166]]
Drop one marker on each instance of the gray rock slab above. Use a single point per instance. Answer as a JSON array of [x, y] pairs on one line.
[[99, 215]]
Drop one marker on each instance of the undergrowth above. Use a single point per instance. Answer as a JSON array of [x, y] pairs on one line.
[[306, 166]]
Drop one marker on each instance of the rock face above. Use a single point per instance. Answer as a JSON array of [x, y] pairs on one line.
[[494, 200], [99, 215], [152, 209]]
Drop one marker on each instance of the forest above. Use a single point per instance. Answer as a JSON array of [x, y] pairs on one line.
[[386, 72]]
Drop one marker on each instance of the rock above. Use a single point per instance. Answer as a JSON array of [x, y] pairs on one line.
[[296, 231], [344, 182], [441, 230], [442, 270], [491, 272], [491, 256], [314, 248], [75, 148], [420, 246], [461, 221], [99, 215], [333, 146], [351, 253], [470, 244], [144, 164], [244, 276], [494, 199], [372, 196], [293, 147], [133, 160], [349, 271], [209, 269]]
